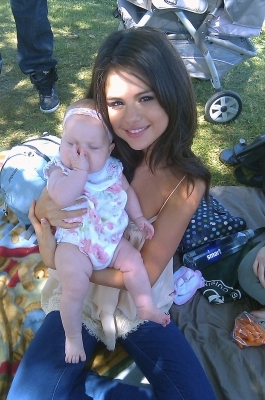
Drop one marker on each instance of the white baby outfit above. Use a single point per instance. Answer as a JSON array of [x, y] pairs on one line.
[[105, 221]]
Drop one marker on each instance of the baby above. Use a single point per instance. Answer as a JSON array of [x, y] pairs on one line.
[[85, 169]]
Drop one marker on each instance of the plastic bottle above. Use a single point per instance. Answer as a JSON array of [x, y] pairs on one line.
[[212, 252]]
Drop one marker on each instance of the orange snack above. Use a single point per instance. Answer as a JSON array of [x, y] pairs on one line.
[[247, 331]]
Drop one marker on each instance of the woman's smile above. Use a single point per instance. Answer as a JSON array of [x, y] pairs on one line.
[[137, 132], [134, 111]]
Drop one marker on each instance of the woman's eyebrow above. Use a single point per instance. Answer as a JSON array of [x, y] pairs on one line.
[[144, 92], [113, 98]]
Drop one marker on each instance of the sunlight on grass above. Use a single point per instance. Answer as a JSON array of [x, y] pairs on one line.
[[79, 27]]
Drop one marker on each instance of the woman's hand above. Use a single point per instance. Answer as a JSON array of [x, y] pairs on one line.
[[46, 208], [46, 240], [259, 266]]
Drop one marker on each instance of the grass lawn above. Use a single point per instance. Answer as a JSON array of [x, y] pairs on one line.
[[79, 26]]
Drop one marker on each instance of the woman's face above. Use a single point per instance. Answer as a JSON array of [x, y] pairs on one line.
[[134, 111]]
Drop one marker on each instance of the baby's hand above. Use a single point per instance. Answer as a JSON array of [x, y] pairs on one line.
[[78, 160], [259, 266], [144, 225]]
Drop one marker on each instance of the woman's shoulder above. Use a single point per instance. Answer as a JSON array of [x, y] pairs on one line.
[[183, 198]]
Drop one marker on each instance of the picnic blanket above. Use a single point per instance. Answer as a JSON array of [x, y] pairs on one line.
[[22, 277], [236, 374]]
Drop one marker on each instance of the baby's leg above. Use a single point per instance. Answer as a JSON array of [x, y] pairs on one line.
[[129, 261], [74, 269]]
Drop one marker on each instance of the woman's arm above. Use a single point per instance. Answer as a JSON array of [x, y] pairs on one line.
[[170, 227]]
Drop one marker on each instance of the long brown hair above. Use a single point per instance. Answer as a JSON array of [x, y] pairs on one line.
[[147, 52]]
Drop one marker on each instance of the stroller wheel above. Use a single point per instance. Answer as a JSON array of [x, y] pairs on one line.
[[223, 107]]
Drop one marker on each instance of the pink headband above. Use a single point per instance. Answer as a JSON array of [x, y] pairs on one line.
[[87, 111]]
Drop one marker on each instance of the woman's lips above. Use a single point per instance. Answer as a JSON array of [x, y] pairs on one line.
[[136, 132]]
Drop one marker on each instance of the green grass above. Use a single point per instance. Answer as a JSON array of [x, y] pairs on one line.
[[92, 21], [20, 117]]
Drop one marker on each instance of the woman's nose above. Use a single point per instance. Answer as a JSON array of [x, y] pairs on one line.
[[132, 114]]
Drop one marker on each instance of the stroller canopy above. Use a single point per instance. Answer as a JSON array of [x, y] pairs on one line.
[[234, 17], [246, 13], [250, 14]]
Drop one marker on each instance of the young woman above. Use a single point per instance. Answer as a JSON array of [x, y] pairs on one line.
[[142, 90]]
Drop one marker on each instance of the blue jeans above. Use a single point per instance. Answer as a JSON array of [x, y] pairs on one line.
[[162, 354], [34, 35]]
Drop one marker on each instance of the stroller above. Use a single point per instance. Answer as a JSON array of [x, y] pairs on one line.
[[211, 36]]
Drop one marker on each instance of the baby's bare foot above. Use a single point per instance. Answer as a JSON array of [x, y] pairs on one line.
[[152, 313], [74, 350]]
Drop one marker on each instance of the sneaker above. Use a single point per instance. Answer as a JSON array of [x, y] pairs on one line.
[[44, 82]]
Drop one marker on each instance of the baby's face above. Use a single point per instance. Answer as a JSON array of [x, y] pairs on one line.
[[89, 134]]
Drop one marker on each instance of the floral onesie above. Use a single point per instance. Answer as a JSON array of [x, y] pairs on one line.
[[105, 221]]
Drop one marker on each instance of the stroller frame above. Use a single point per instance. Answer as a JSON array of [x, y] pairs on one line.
[[190, 26]]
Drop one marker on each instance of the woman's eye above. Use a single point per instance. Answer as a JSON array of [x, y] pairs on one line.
[[146, 98], [115, 104]]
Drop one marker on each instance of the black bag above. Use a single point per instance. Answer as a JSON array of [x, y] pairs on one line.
[[211, 221], [221, 277], [249, 162]]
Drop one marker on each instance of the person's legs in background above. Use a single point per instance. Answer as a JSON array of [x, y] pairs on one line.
[[35, 49]]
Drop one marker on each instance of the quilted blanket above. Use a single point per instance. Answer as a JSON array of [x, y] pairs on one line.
[[22, 277], [234, 373]]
